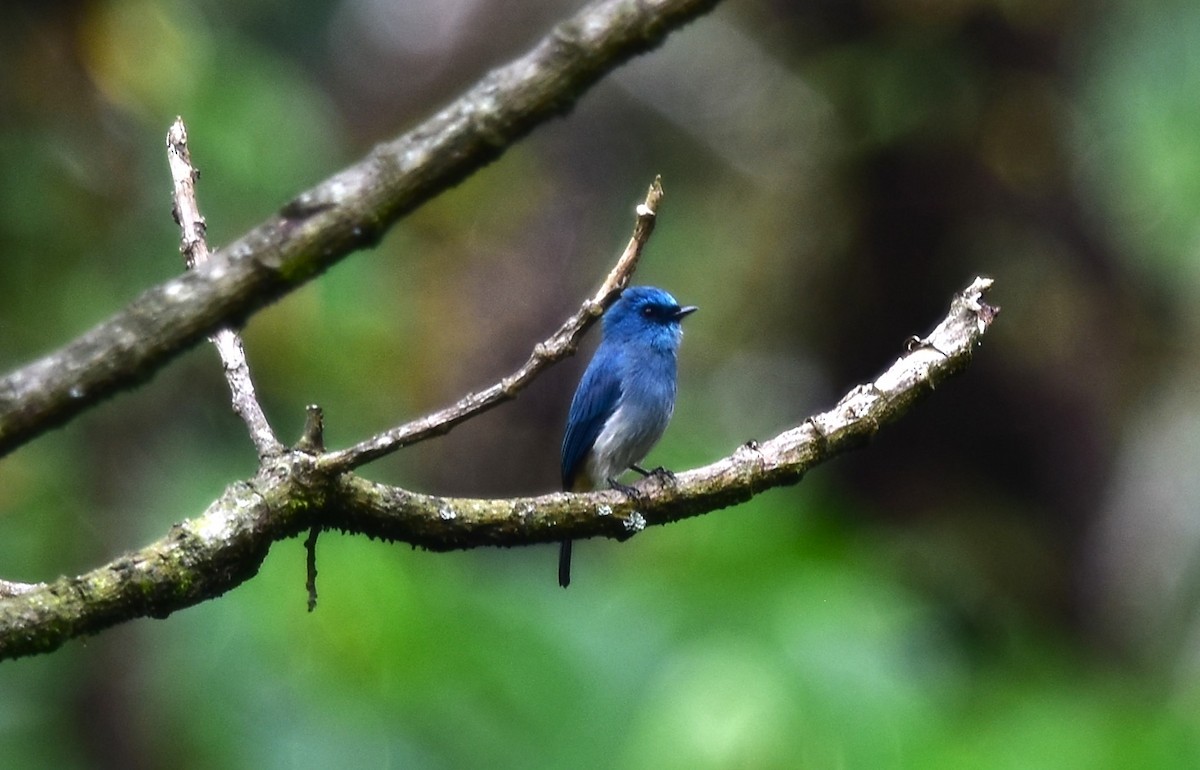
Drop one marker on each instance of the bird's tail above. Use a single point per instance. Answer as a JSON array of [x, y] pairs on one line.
[[564, 563]]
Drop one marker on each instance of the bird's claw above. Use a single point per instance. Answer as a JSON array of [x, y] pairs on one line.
[[663, 475], [633, 493]]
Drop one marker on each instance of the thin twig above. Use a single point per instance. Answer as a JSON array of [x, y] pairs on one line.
[[545, 354], [194, 248]]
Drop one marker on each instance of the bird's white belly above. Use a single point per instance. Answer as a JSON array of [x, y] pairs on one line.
[[627, 437]]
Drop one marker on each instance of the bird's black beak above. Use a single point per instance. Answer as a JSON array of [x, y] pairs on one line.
[[681, 312]]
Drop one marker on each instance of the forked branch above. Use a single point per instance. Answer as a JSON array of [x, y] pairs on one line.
[[206, 556], [349, 211]]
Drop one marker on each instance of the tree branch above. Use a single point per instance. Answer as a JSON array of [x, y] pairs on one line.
[[194, 248], [203, 557], [350, 210]]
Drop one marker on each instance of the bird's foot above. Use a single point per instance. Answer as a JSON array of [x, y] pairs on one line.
[[663, 475], [633, 493]]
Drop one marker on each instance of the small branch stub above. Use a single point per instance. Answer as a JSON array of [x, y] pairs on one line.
[[310, 549], [312, 439]]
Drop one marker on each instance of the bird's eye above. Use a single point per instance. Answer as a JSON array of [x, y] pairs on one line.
[[648, 311]]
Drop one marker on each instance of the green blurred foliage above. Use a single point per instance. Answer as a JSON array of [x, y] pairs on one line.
[[1006, 579]]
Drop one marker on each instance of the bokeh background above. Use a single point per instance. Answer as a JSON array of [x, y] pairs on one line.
[[1007, 579]]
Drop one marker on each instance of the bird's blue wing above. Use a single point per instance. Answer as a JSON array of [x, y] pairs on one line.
[[595, 401]]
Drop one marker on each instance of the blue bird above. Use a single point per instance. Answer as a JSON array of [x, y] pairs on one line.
[[625, 399]]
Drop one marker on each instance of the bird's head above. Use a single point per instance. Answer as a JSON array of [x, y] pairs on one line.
[[646, 314]]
